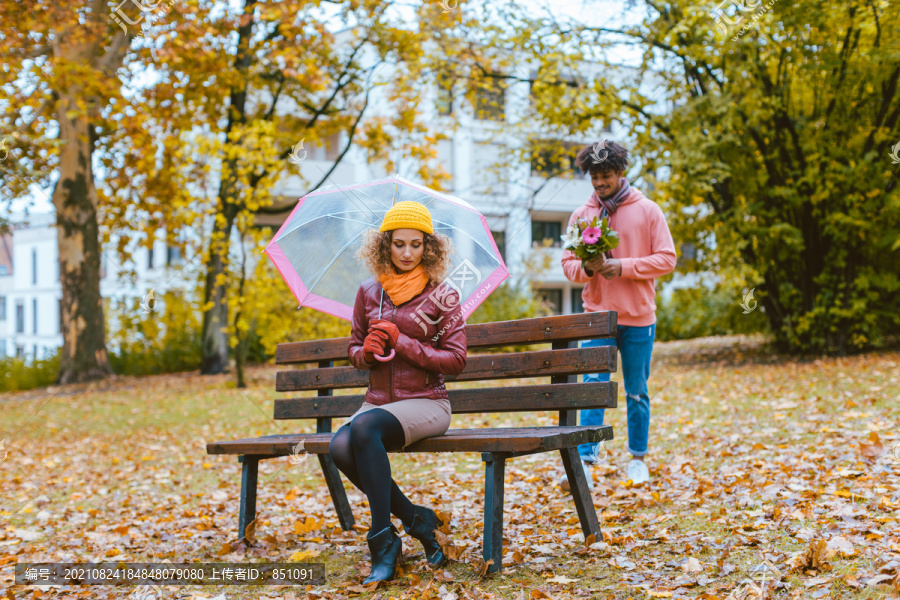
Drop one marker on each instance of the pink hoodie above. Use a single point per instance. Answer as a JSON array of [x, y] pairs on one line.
[[646, 251]]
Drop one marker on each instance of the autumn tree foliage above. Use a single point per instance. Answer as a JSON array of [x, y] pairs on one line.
[[216, 97], [62, 94], [767, 131], [238, 88], [773, 153], [778, 154]]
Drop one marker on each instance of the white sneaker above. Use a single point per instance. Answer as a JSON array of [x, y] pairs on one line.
[[564, 480], [637, 472]]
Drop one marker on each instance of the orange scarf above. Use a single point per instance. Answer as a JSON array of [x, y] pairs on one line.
[[405, 286]]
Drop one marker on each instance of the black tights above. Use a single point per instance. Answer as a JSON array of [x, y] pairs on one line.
[[360, 451]]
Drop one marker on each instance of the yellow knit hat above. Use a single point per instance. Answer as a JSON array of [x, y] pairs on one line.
[[407, 215]]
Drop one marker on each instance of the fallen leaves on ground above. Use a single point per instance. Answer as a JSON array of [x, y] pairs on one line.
[[767, 473]]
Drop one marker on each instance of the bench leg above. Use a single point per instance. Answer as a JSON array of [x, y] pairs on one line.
[[494, 470], [249, 472], [581, 494], [337, 491]]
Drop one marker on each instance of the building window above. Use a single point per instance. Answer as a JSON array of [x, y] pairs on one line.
[[332, 146], [328, 148], [2, 348], [553, 298], [20, 351], [34, 314], [543, 230], [688, 253], [500, 240], [34, 266], [577, 302], [20, 316], [173, 255], [554, 158], [545, 89], [150, 257], [444, 99], [490, 101], [2, 308]]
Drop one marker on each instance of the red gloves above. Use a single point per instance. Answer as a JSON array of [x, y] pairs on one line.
[[374, 345], [388, 328], [382, 338]]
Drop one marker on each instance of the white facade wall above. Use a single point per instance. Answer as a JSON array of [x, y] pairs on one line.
[[32, 292], [6, 315]]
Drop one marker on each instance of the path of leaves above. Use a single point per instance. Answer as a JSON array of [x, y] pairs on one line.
[[771, 478]]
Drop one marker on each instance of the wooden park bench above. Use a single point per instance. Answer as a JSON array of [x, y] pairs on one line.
[[564, 394]]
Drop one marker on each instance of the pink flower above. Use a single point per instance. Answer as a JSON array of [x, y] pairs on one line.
[[591, 235]]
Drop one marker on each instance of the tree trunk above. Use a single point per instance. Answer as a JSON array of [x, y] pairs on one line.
[[215, 318], [240, 351], [84, 356]]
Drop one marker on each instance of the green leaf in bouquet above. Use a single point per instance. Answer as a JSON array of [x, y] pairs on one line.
[[613, 239]]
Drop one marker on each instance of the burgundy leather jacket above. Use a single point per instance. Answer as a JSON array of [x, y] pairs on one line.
[[432, 342]]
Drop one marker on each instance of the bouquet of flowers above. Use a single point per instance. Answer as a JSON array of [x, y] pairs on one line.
[[590, 238]]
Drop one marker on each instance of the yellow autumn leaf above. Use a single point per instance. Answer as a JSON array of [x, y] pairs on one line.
[[303, 555], [311, 524]]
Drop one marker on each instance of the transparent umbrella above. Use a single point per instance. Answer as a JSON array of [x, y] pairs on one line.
[[315, 247]]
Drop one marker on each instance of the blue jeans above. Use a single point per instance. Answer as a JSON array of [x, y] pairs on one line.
[[636, 346]]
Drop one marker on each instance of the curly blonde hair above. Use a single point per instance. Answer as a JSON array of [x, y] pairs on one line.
[[375, 253]]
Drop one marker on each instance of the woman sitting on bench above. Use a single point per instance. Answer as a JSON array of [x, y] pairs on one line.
[[407, 332]]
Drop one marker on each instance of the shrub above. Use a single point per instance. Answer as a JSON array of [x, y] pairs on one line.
[[19, 375], [509, 302], [164, 340], [700, 312], [275, 317]]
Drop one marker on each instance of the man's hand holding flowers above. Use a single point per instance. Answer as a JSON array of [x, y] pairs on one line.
[[590, 240]]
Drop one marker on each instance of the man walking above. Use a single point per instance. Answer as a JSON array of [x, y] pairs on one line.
[[622, 281]]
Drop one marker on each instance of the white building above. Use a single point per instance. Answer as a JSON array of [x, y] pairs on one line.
[[31, 292], [519, 218]]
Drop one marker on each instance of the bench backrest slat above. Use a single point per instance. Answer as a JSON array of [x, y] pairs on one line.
[[554, 396], [539, 330], [479, 367]]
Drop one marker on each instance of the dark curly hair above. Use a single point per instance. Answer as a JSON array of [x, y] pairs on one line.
[[609, 156], [375, 253]]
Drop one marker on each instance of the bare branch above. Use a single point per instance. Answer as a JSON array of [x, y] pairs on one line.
[[340, 86], [48, 102], [687, 61], [268, 210]]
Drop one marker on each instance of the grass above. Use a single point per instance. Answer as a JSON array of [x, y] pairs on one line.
[[753, 456]]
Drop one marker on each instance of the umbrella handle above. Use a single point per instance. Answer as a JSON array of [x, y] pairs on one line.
[[387, 358]]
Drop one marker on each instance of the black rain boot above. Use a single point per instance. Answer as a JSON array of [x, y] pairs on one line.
[[422, 528], [386, 549]]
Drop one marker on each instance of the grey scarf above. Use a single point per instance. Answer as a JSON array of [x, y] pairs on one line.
[[610, 206]]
